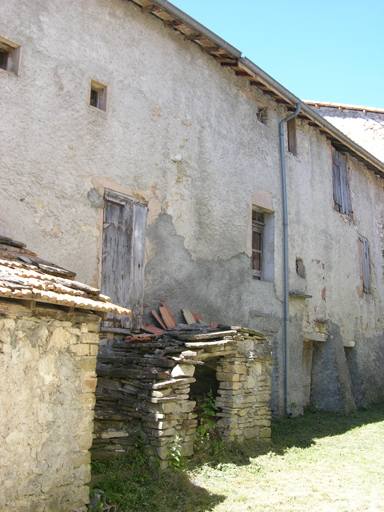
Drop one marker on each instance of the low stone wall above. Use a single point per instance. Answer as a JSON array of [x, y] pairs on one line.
[[47, 384], [145, 389]]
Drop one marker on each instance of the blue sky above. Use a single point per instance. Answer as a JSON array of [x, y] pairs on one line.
[[328, 50]]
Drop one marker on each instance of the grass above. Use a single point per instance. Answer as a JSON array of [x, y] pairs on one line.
[[317, 462]]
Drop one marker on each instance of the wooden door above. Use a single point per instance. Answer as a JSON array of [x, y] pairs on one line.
[[124, 232]]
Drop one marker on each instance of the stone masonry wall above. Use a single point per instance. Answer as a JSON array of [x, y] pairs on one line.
[[47, 384], [145, 390]]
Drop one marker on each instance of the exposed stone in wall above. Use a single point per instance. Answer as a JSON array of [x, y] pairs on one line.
[[144, 389], [47, 376]]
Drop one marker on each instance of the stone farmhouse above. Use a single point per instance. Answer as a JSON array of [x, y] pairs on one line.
[[144, 152]]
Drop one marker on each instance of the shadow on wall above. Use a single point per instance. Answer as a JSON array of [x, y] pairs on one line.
[[200, 282]]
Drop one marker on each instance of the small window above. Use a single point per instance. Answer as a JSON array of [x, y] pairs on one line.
[[365, 264], [257, 243], [341, 190], [291, 129], [300, 268], [9, 56], [98, 95], [262, 115]]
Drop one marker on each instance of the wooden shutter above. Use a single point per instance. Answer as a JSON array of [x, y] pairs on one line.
[[337, 195], [341, 188], [345, 190], [365, 260], [124, 235]]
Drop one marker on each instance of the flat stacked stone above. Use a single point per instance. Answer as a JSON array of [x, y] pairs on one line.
[[143, 390]]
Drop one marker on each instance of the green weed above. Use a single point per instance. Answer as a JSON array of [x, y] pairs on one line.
[[205, 417]]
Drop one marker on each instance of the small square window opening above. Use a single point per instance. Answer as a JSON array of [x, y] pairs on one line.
[[300, 269], [262, 115], [98, 95], [9, 56]]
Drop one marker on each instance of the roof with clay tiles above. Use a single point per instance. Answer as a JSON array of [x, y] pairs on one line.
[[25, 276], [344, 106]]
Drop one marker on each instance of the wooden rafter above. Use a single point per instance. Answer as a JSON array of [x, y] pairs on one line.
[[227, 59]]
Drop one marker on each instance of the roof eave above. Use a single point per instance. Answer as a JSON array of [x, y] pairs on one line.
[[227, 55]]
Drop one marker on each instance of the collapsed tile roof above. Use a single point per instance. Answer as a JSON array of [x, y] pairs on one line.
[[25, 276]]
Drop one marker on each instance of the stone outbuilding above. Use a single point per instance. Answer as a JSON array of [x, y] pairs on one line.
[[48, 347], [154, 389]]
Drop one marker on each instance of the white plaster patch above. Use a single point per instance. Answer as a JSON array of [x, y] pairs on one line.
[[47, 370]]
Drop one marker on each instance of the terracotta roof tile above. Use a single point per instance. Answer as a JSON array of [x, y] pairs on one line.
[[25, 276]]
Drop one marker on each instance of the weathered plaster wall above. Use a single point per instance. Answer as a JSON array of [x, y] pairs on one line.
[[182, 140], [182, 133], [47, 375], [365, 128], [327, 242], [193, 147]]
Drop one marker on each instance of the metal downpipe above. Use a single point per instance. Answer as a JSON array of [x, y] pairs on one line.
[[286, 279]]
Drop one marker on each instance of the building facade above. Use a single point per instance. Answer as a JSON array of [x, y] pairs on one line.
[[143, 152]]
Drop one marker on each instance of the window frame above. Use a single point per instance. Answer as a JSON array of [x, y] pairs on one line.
[[98, 92], [258, 227], [10, 56]]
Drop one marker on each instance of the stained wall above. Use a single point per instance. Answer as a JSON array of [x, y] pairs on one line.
[[182, 133]]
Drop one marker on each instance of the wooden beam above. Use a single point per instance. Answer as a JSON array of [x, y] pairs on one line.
[[241, 73], [102, 314], [192, 37], [266, 84], [30, 304], [233, 64], [150, 8], [172, 23], [260, 86], [257, 84], [210, 49]]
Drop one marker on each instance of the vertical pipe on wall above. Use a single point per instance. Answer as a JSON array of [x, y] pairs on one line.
[[286, 280]]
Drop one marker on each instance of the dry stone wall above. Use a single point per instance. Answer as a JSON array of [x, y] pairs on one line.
[[146, 390], [48, 379]]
